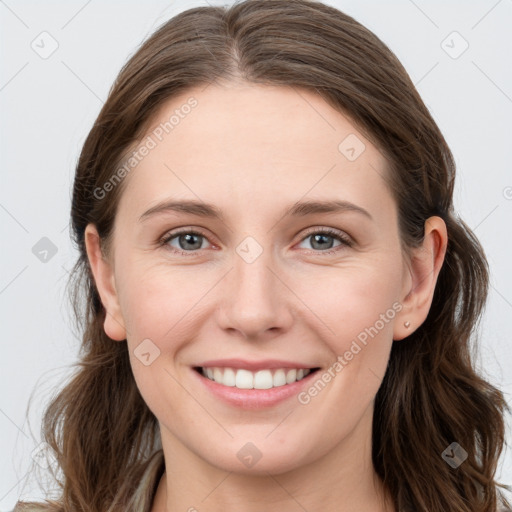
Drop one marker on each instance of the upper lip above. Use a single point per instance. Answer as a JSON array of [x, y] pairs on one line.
[[254, 365]]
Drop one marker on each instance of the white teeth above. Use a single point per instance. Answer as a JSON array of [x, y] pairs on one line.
[[229, 377], [279, 378], [291, 376], [243, 380], [262, 379], [217, 374]]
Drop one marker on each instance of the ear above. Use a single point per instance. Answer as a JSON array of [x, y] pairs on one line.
[[104, 278], [421, 278]]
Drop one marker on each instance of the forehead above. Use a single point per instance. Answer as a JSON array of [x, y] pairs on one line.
[[250, 143]]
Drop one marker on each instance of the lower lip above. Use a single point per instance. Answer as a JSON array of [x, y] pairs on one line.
[[254, 398]]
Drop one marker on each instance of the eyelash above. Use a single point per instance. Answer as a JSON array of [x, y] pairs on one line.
[[345, 240]]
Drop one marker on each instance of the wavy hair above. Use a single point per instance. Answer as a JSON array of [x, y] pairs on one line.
[[99, 428]]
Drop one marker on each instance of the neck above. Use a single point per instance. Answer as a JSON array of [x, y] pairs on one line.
[[342, 480]]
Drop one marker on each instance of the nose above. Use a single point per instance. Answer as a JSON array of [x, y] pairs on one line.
[[257, 303]]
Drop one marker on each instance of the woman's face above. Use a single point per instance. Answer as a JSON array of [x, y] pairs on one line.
[[258, 286]]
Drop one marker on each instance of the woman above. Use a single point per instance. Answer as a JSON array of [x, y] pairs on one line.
[[279, 295]]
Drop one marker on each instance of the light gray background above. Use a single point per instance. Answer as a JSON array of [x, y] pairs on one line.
[[48, 106]]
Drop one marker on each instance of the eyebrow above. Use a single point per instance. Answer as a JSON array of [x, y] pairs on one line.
[[299, 209]]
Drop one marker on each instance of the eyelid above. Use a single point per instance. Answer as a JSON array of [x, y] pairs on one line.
[[328, 231], [345, 240], [169, 235]]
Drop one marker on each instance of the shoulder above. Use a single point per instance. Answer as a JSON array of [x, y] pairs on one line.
[[23, 506], [141, 498]]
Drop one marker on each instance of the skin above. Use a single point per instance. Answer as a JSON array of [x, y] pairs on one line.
[[252, 151]]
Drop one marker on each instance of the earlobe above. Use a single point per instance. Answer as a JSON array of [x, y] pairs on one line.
[[423, 270], [103, 274]]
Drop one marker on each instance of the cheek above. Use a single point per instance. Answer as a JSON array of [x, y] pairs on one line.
[[359, 306], [158, 307], [352, 299], [156, 300]]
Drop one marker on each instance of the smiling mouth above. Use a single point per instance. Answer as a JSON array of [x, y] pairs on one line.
[[262, 379]]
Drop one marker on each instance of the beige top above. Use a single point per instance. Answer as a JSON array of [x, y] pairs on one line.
[[145, 493]]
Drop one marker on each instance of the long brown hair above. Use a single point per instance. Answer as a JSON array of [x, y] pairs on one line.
[[100, 430]]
